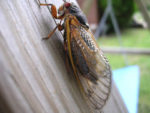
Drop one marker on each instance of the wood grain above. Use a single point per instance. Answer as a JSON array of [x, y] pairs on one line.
[[33, 75]]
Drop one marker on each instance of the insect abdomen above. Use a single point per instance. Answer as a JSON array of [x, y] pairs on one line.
[[78, 58], [80, 61]]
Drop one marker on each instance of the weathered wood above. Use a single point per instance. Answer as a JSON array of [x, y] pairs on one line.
[[33, 76], [142, 7], [126, 51], [115, 103]]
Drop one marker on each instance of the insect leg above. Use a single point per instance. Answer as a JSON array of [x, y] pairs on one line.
[[60, 28], [53, 10]]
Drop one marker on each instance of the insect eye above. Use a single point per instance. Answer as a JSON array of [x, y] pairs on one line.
[[67, 5]]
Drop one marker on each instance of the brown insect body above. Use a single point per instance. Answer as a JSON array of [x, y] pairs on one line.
[[91, 68]]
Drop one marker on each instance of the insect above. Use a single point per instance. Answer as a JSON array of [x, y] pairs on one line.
[[90, 66]]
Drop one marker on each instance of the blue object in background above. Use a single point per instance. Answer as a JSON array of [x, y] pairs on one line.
[[127, 81]]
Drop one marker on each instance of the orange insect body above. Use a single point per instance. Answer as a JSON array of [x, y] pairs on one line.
[[90, 66]]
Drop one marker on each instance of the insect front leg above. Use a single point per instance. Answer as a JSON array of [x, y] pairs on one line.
[[53, 10]]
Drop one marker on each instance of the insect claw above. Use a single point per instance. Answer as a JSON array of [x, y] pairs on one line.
[[45, 38]]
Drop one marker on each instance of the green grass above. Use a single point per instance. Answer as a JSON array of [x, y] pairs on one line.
[[130, 38], [133, 38]]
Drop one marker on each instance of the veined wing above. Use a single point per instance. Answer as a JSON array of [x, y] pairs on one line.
[[92, 65]]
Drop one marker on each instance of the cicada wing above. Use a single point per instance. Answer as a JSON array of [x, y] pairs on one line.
[[93, 66], [95, 98], [98, 93], [92, 56]]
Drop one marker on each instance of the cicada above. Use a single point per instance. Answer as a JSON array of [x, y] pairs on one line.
[[90, 66]]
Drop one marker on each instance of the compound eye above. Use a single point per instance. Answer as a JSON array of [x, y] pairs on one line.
[[67, 5]]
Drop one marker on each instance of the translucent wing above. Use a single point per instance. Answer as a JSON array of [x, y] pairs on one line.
[[92, 66]]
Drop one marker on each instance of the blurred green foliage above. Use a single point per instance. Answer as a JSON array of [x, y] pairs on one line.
[[123, 10]]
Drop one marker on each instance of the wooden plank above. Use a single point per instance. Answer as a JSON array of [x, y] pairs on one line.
[[115, 103], [142, 7], [133, 51], [33, 76]]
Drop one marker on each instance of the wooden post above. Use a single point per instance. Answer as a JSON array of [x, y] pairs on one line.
[[33, 76], [144, 11]]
